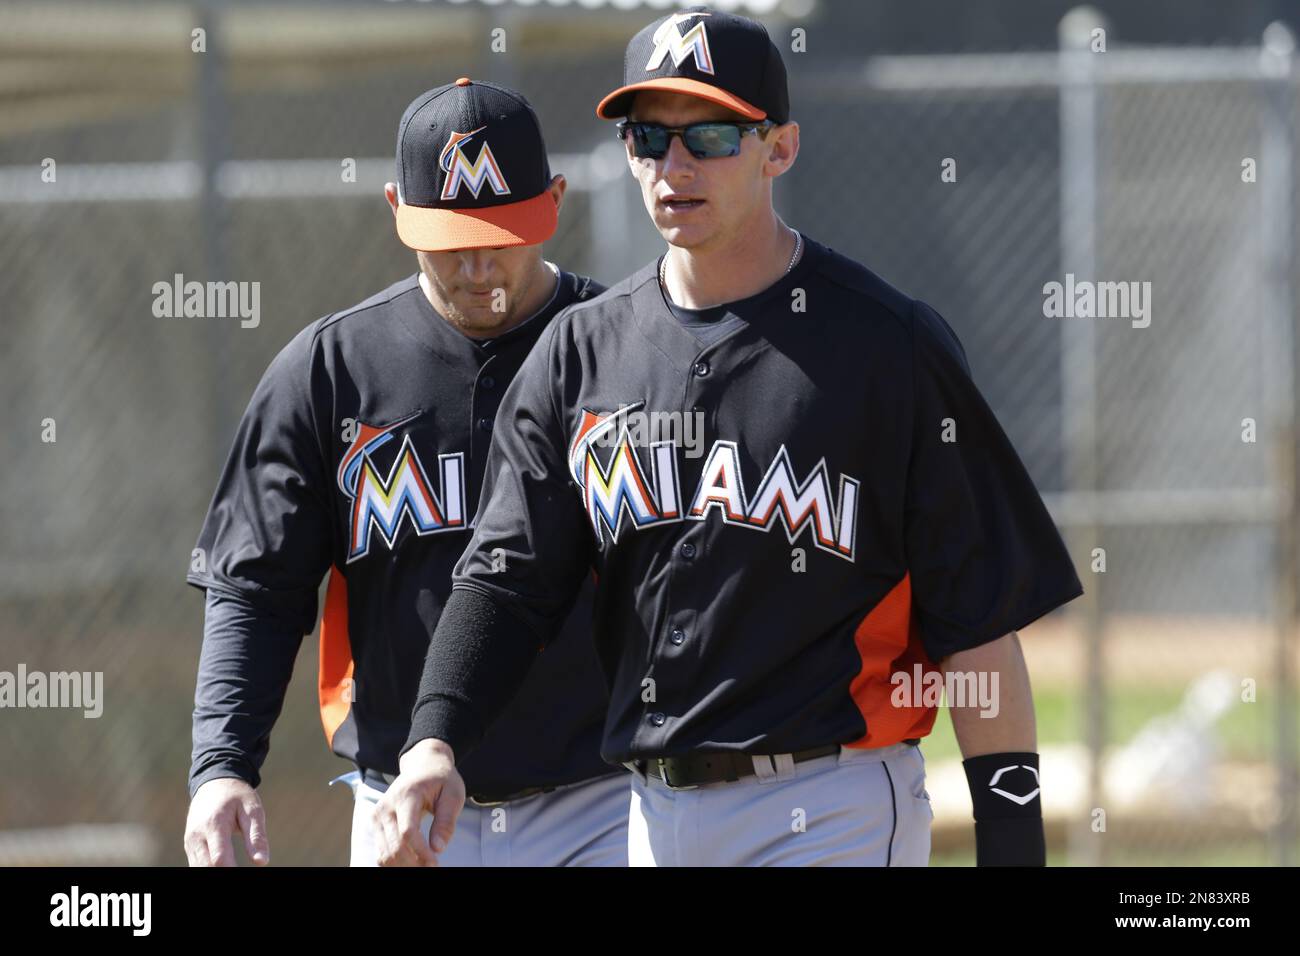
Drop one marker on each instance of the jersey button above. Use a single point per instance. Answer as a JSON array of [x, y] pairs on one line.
[[688, 550], [678, 636], [488, 382], [701, 368], [485, 424], [657, 719]]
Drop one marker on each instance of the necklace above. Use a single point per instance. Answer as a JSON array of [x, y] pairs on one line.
[[794, 257]]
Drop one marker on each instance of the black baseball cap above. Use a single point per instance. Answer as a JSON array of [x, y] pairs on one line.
[[472, 170], [716, 56]]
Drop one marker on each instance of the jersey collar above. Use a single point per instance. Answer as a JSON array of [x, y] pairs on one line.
[[677, 343]]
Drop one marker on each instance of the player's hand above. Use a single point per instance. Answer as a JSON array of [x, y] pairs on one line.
[[219, 808], [428, 783]]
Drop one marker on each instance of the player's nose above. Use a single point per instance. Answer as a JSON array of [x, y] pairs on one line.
[[678, 163], [476, 265]]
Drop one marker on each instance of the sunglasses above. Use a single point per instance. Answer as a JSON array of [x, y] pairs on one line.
[[703, 140]]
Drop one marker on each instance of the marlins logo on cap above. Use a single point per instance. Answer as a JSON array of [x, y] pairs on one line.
[[669, 42], [462, 172]]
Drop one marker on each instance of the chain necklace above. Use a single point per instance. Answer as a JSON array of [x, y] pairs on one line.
[[794, 257]]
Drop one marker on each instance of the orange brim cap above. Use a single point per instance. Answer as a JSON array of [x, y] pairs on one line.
[[618, 103], [525, 223]]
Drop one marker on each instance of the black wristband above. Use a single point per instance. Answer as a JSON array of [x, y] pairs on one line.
[[1008, 807], [1010, 842]]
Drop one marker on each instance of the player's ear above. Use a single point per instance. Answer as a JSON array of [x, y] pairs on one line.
[[390, 193], [556, 188], [782, 145]]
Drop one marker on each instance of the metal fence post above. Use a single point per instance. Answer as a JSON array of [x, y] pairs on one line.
[[1078, 127], [214, 145], [1277, 213]]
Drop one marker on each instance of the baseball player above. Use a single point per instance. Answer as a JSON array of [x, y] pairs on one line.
[[361, 455], [854, 518]]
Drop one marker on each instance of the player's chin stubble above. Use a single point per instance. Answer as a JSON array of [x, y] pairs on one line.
[[470, 314], [477, 320], [480, 319]]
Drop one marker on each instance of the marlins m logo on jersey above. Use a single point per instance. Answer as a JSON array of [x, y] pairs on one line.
[[669, 42], [461, 172], [651, 497], [381, 503]]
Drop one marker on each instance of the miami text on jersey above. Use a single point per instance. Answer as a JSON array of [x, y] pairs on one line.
[[381, 503], [648, 498]]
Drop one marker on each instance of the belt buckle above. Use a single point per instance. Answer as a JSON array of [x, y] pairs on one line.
[[663, 776], [487, 803]]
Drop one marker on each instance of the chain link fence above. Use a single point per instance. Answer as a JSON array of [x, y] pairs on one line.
[[1164, 450]]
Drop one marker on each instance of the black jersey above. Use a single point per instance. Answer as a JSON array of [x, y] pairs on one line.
[[361, 455], [784, 512]]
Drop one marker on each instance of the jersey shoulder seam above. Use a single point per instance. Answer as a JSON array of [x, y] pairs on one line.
[[333, 318], [601, 298], [902, 315]]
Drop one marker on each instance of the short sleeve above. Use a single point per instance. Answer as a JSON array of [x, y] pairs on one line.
[[531, 547], [983, 554], [267, 534]]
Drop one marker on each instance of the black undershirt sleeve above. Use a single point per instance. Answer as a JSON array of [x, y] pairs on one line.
[[478, 657], [264, 547], [244, 672]]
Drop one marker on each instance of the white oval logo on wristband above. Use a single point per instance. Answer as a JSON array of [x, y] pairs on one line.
[[1021, 801]]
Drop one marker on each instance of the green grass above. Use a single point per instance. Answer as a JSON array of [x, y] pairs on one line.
[[1246, 732]]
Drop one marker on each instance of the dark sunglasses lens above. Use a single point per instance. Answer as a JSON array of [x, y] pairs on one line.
[[648, 142], [711, 141]]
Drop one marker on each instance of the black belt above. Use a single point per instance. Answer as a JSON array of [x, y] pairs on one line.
[[696, 770]]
